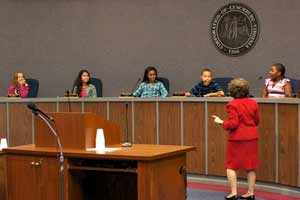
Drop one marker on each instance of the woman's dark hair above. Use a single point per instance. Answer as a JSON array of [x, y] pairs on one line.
[[78, 82], [238, 88], [147, 70], [281, 68]]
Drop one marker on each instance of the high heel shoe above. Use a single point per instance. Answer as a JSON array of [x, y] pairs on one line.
[[251, 197], [234, 197]]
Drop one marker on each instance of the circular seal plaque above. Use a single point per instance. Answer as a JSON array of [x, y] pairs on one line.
[[235, 29]]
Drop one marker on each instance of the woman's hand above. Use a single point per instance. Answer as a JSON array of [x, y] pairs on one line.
[[217, 120], [22, 81]]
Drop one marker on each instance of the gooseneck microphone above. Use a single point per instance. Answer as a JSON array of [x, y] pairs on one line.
[[135, 85], [36, 110], [130, 94], [48, 119]]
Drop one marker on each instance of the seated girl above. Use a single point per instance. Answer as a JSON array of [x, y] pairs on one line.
[[150, 87], [277, 85], [19, 87], [82, 85]]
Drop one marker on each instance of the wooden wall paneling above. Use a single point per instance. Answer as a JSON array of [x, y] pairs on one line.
[[20, 122], [266, 170], [288, 144], [145, 122], [117, 114], [216, 140], [169, 123], [194, 135], [3, 120], [96, 107], [75, 107], [47, 107]]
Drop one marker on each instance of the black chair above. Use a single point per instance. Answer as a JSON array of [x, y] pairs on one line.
[[166, 83], [223, 82], [33, 87], [98, 85], [295, 85]]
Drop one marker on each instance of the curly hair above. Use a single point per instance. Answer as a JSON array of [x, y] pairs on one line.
[[238, 88]]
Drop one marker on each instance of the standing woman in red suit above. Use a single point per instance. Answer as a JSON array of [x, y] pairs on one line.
[[242, 143]]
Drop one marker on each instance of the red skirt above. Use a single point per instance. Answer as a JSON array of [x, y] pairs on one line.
[[242, 154]]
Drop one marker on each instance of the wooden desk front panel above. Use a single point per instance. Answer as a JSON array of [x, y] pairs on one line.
[[267, 147], [194, 135], [145, 125], [288, 144], [156, 180], [3, 121], [169, 123], [176, 122], [20, 124], [2, 176], [117, 114]]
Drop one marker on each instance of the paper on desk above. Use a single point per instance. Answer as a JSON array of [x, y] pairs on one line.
[[103, 150]]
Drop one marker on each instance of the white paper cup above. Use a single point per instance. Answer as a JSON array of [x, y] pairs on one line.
[[3, 143], [100, 140]]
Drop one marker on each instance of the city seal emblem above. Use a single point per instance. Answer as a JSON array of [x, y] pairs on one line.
[[235, 29]]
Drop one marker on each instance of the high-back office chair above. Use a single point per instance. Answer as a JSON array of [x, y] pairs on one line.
[[165, 81], [98, 85], [33, 87], [295, 85], [223, 82]]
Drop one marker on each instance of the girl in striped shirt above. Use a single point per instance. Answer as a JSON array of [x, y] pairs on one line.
[[277, 85]]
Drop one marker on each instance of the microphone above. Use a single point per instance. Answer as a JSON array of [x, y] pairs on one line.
[[67, 94], [126, 94], [35, 110], [127, 143], [135, 85], [256, 89]]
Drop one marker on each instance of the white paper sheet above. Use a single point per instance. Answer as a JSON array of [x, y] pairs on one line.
[[103, 150]]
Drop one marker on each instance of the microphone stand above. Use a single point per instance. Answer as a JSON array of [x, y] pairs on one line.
[[60, 155], [69, 100], [127, 143]]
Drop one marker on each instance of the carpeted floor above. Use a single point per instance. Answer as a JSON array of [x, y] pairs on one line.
[[198, 194], [198, 191]]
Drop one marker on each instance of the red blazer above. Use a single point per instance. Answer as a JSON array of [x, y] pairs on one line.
[[243, 119]]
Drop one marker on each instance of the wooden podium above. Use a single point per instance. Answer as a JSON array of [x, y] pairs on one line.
[[141, 172], [76, 130]]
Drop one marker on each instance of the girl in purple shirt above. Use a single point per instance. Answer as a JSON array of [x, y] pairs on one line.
[[19, 87]]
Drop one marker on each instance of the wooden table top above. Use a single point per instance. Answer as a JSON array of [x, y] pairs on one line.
[[136, 152]]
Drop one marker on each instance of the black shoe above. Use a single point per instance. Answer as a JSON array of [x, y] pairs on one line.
[[251, 197], [234, 197]]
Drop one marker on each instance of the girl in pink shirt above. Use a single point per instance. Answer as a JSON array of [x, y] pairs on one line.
[[83, 86], [19, 87], [277, 85]]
